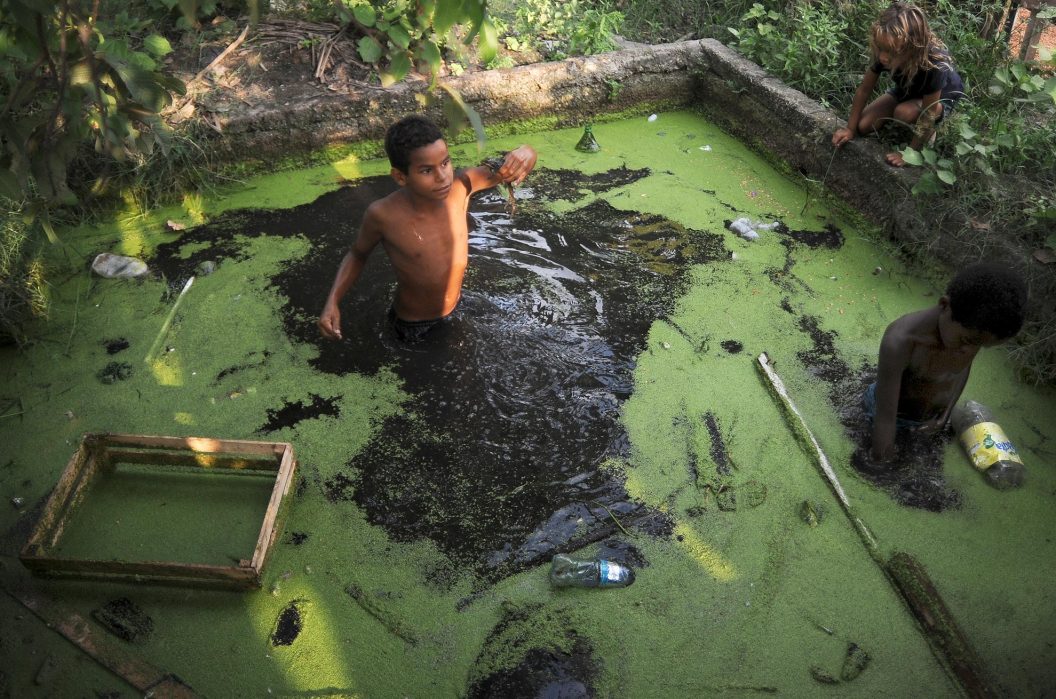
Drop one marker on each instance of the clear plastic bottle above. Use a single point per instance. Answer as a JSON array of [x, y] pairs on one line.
[[587, 142], [987, 446], [566, 571]]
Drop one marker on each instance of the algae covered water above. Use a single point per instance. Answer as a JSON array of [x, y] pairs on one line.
[[596, 395], [211, 518]]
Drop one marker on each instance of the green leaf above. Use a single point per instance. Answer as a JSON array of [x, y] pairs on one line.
[[399, 36], [474, 12], [963, 149], [49, 230], [966, 131], [365, 14], [927, 184], [946, 176], [171, 83], [396, 10], [448, 13], [429, 53], [399, 66], [369, 49], [458, 114], [929, 156], [488, 43], [81, 73], [157, 45], [912, 157]]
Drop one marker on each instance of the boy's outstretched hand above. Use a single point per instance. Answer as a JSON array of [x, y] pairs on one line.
[[842, 136], [330, 323], [517, 165]]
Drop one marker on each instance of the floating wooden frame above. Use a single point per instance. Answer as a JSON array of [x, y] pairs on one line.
[[98, 454]]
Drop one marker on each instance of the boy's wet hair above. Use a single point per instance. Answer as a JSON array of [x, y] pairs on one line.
[[988, 297], [903, 29], [406, 135]]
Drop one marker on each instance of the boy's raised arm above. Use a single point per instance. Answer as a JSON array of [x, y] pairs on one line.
[[348, 273], [895, 350]]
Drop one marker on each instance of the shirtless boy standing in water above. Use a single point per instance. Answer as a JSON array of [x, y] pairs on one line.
[[925, 356], [423, 228]]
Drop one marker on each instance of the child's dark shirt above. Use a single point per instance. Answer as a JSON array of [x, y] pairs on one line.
[[943, 77]]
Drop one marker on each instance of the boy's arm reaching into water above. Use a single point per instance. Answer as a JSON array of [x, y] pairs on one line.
[[348, 273], [895, 351]]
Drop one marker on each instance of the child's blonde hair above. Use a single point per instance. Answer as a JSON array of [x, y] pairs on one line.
[[903, 29]]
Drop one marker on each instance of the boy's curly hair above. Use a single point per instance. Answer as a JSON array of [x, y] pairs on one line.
[[903, 29], [988, 297], [408, 134]]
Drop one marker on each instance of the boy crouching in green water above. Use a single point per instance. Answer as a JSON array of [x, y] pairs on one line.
[[925, 356]]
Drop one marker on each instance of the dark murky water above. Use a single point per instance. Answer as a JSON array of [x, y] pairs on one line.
[[543, 672], [516, 401]]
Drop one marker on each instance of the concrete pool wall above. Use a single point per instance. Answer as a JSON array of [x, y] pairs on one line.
[[734, 92]]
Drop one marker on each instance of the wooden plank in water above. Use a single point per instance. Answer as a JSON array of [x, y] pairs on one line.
[[198, 444], [144, 677], [70, 490], [235, 577], [272, 518], [166, 457], [945, 636]]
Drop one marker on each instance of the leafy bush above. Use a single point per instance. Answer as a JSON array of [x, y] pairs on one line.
[[817, 48], [572, 27]]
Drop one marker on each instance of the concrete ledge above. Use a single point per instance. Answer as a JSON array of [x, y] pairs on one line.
[[570, 91]]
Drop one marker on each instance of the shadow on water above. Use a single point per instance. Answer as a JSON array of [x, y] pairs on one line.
[[514, 403]]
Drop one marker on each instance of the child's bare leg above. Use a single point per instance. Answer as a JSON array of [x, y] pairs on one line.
[[880, 109], [912, 113]]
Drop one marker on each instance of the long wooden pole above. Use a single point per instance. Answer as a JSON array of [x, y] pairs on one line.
[[948, 642]]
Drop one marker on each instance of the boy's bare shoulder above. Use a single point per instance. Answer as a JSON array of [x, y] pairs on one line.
[[911, 329], [382, 213]]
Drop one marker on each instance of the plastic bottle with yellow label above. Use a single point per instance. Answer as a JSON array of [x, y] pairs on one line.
[[987, 446]]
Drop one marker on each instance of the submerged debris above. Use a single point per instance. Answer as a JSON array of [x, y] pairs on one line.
[[115, 346], [124, 618], [822, 675], [290, 623], [731, 346], [754, 493], [811, 512], [855, 662], [118, 266], [114, 372], [371, 605]]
